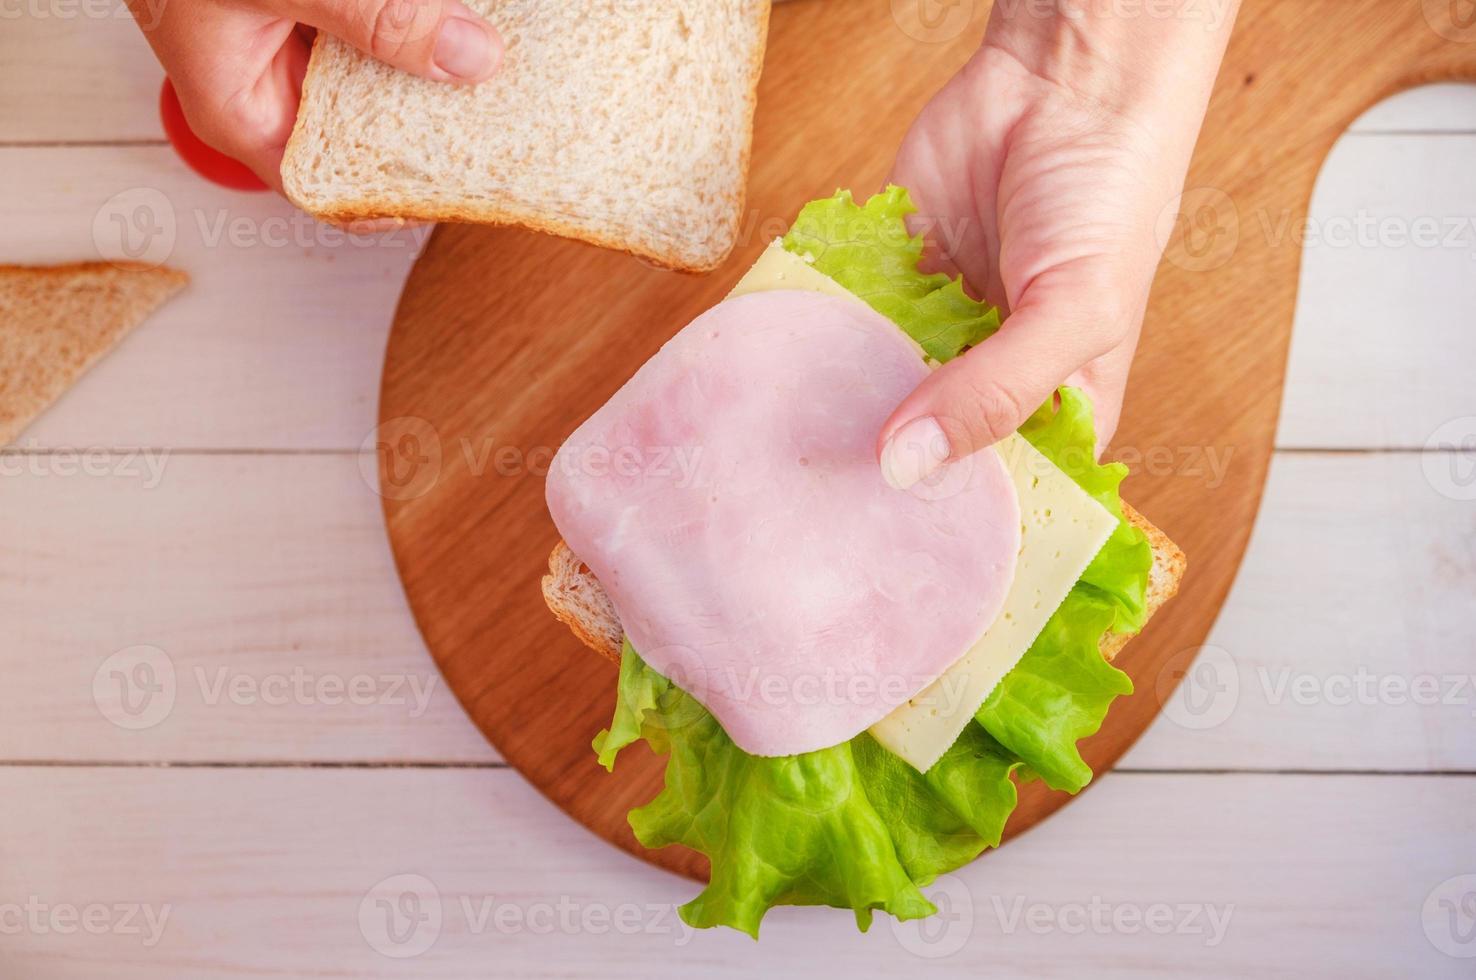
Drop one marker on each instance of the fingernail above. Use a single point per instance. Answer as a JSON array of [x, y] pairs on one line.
[[464, 49], [914, 452]]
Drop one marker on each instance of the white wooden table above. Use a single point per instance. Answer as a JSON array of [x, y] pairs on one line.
[[295, 793]]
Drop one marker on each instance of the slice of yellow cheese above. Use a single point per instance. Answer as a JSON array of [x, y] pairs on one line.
[[1062, 530], [779, 269]]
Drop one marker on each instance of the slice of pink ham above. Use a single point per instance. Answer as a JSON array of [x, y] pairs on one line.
[[730, 501]]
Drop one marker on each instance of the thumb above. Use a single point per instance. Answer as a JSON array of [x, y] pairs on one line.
[[1060, 325], [443, 40]]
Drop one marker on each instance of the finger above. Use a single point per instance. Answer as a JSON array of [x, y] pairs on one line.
[[442, 40], [1104, 381], [238, 74], [1060, 325], [941, 179], [955, 184], [254, 123]]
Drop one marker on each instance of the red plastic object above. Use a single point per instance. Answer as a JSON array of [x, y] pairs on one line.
[[203, 159]]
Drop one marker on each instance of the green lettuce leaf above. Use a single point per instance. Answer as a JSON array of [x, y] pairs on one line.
[[1058, 693], [1060, 690], [1065, 435], [867, 249], [851, 826], [854, 826], [640, 690]]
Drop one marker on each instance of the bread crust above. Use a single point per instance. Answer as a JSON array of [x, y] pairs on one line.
[[71, 270], [577, 599], [370, 208], [1169, 565]]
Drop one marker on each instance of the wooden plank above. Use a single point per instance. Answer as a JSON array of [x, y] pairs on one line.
[[1448, 107], [281, 872], [76, 70], [1388, 294], [275, 344], [1345, 643], [256, 595]]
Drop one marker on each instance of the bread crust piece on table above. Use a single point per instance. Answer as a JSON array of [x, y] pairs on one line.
[[628, 126], [56, 322], [577, 599]]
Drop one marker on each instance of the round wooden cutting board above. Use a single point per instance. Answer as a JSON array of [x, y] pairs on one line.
[[505, 340]]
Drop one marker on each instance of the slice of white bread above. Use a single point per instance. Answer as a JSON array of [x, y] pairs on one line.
[[579, 601], [58, 321], [626, 123]]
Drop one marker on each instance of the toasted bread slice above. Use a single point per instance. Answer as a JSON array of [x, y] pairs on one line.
[[623, 124], [58, 321], [1164, 577], [577, 599]]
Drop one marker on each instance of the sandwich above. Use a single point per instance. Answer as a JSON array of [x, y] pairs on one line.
[[848, 680], [627, 125]]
